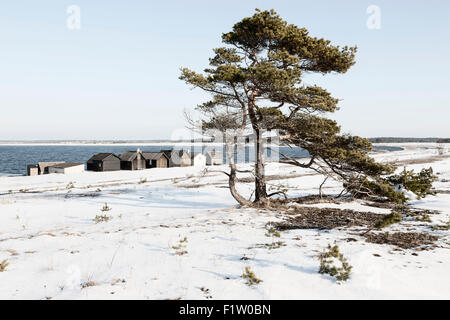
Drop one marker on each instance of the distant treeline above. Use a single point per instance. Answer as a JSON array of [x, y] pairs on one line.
[[406, 140], [102, 141], [206, 140]]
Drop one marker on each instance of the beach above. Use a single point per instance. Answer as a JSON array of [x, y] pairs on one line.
[[177, 233]]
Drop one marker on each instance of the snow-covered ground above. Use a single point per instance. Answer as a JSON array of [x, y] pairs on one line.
[[177, 233]]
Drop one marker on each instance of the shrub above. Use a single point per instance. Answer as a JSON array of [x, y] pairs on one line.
[[70, 185], [143, 180], [273, 233], [106, 208], [275, 245], [363, 188], [419, 183], [180, 248], [389, 219], [102, 218], [250, 277], [334, 263]]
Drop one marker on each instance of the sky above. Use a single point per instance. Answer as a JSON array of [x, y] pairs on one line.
[[116, 77]]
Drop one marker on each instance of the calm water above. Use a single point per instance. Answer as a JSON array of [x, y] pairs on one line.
[[14, 159]]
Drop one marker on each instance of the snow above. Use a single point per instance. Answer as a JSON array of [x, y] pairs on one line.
[[56, 251]]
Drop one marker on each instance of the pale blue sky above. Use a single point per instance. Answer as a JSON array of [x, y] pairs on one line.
[[117, 77]]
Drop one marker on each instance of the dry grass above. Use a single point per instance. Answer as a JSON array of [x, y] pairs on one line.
[[442, 227], [46, 234], [3, 265], [116, 281], [326, 219], [274, 245], [12, 252], [88, 284], [442, 191], [404, 240]]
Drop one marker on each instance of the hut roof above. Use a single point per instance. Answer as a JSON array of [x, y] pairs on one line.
[[102, 156], [153, 155], [128, 155], [167, 152], [66, 165], [180, 153]]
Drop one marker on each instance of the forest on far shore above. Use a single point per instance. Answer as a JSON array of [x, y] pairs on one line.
[[406, 140]]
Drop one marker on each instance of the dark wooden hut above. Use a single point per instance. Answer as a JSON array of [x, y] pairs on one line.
[[132, 160], [104, 162]]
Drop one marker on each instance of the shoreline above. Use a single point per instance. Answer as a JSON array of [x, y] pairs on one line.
[[30, 144]]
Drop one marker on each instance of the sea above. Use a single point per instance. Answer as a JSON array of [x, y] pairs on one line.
[[15, 158]]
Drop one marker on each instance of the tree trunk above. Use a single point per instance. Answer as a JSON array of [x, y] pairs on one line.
[[260, 183]]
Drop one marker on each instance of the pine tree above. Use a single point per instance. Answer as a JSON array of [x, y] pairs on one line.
[[255, 80]]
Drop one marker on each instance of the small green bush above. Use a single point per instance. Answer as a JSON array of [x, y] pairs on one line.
[[106, 208], [180, 248], [250, 277], [329, 259], [102, 218], [419, 183], [271, 232]]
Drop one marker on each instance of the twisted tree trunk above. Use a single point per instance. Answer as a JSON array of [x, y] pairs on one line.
[[232, 178]]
